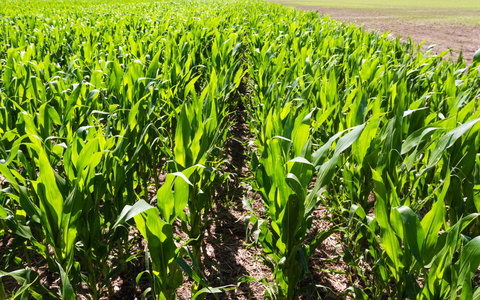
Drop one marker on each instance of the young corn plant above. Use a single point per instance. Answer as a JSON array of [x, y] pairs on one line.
[[427, 252], [283, 173], [199, 133], [50, 200], [166, 267]]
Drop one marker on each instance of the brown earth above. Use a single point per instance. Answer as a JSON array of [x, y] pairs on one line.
[[455, 29]]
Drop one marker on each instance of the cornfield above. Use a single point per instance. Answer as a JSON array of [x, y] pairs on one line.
[[114, 122]]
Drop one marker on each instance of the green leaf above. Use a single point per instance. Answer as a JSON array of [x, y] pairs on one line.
[[413, 232], [476, 56], [18, 275], [327, 169], [165, 199], [416, 138], [469, 262], [51, 199], [447, 141], [214, 290], [67, 289], [3, 213], [433, 221], [171, 204], [476, 294], [162, 249], [129, 212]]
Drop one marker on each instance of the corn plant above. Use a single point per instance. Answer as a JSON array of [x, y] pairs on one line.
[[165, 256], [283, 173]]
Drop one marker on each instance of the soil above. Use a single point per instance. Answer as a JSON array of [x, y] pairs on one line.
[[455, 29]]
